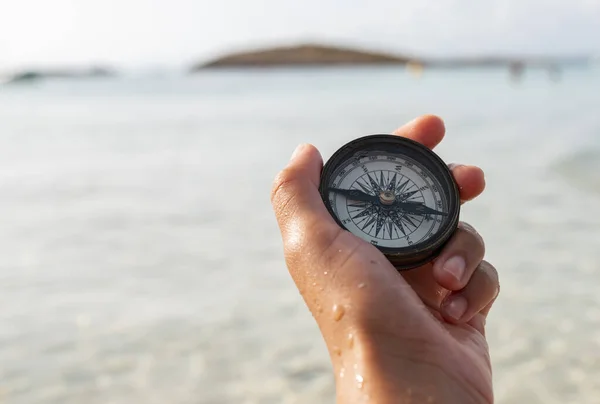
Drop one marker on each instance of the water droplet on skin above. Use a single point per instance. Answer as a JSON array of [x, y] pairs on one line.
[[350, 340], [336, 350], [361, 285], [325, 273], [338, 312], [314, 283], [360, 381]]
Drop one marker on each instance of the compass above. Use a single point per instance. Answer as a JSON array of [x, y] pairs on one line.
[[394, 193]]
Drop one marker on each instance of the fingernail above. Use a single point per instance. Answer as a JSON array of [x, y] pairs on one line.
[[297, 151], [456, 307], [456, 267], [453, 166]]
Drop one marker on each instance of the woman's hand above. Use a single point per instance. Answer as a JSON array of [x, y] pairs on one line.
[[410, 337]]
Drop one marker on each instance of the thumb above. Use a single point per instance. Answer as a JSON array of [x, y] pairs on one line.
[[305, 224], [295, 196], [321, 256]]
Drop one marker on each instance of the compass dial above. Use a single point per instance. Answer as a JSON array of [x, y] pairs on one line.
[[393, 193]]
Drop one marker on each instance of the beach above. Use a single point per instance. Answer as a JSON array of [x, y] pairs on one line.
[[129, 276]]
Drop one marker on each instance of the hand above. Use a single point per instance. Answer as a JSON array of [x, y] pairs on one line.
[[409, 337]]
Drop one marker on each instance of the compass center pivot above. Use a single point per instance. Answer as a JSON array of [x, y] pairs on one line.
[[387, 197]]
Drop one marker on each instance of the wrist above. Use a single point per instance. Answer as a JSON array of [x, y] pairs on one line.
[[373, 373]]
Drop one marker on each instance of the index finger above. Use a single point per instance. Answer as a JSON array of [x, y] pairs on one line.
[[429, 130]]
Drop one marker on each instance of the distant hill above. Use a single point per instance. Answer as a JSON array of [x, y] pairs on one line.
[[303, 55], [322, 55]]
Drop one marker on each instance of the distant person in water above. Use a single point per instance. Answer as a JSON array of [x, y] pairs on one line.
[[411, 337]]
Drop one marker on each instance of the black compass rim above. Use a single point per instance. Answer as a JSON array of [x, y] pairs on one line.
[[409, 257]]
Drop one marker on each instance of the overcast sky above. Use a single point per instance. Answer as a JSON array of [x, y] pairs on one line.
[[177, 32]]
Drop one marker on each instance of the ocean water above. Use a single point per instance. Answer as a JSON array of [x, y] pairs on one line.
[[141, 263]]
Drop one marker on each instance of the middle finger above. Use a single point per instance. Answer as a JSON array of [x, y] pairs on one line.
[[469, 179]]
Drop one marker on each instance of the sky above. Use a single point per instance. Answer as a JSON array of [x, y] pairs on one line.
[[171, 33]]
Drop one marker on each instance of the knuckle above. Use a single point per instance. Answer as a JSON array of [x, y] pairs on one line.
[[283, 184], [293, 230], [285, 188]]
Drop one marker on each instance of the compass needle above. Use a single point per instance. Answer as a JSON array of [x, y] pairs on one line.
[[394, 193], [354, 194], [409, 194], [419, 209]]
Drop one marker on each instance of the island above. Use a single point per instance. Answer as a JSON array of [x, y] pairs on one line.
[[316, 55], [303, 55], [27, 76]]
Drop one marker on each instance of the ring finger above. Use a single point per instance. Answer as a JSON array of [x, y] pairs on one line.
[[482, 289]]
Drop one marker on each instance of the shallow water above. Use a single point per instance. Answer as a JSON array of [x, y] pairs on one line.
[[129, 274]]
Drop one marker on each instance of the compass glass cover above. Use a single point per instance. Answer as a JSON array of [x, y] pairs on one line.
[[391, 199]]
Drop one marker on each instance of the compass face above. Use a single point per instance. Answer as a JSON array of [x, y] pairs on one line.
[[404, 182], [393, 193]]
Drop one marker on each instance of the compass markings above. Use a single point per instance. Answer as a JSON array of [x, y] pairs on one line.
[[372, 219], [401, 187], [374, 184], [370, 222], [381, 222], [392, 183]]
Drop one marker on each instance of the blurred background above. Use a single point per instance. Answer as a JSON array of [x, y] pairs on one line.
[[127, 277]]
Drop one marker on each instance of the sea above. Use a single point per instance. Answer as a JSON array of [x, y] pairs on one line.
[[140, 260]]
